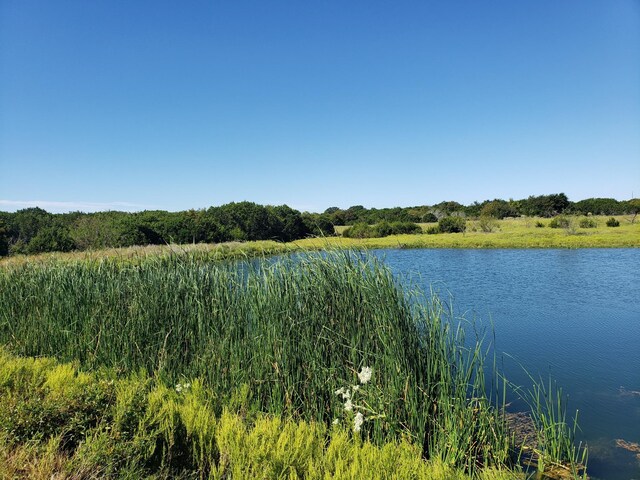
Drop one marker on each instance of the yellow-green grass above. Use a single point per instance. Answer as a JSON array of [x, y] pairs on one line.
[[508, 233], [61, 422]]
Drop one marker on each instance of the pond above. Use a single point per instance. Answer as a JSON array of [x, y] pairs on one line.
[[573, 315]]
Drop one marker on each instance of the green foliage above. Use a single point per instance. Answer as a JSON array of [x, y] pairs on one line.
[[452, 225], [487, 224], [588, 223], [4, 239], [55, 238], [545, 205], [180, 434], [429, 217], [498, 209], [539, 224], [36, 231], [382, 229], [560, 222], [319, 225], [612, 222], [598, 206]]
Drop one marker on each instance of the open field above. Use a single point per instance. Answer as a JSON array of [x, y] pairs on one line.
[[510, 233], [307, 341]]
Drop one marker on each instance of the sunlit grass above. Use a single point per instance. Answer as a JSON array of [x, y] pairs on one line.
[[59, 422], [510, 233]]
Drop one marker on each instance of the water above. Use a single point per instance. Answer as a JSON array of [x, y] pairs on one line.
[[571, 314]]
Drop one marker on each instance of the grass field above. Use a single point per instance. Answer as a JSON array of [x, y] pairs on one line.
[[510, 233]]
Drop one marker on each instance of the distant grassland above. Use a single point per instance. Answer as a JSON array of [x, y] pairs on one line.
[[508, 233]]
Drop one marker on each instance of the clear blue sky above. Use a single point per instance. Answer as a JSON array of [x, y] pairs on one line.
[[135, 105]]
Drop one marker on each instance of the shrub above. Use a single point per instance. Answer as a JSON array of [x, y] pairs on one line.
[[452, 225], [588, 223], [429, 218], [359, 230], [539, 224], [432, 230], [382, 229], [560, 222], [487, 223], [612, 222]]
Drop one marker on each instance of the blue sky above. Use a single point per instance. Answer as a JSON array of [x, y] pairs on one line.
[[177, 105]]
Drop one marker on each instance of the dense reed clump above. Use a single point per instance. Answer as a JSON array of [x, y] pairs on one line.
[[289, 331]]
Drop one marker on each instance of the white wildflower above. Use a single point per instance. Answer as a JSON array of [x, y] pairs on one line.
[[358, 421], [180, 387], [365, 375], [346, 395], [348, 406], [340, 391], [336, 421], [356, 388]]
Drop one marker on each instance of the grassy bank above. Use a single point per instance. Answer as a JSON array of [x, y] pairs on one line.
[[290, 335]]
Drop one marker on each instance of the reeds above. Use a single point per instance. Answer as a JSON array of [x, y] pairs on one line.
[[291, 330]]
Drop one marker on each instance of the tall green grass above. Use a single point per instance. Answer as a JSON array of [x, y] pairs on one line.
[[290, 330]]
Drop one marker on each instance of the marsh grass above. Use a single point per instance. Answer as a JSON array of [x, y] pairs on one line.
[[290, 330], [556, 432]]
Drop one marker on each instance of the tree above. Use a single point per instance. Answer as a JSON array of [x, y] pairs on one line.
[[4, 239], [53, 238], [633, 207], [497, 209], [452, 225]]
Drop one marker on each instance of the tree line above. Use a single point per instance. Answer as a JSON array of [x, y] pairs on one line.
[[34, 230], [546, 206]]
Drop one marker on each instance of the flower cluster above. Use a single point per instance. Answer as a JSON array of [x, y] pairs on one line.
[[182, 386], [364, 376]]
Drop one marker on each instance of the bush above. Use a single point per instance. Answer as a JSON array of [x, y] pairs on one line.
[[487, 223], [382, 229], [588, 223], [429, 218], [358, 230], [560, 222], [612, 222], [539, 224], [452, 225]]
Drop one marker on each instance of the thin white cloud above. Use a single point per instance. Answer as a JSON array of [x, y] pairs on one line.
[[62, 207]]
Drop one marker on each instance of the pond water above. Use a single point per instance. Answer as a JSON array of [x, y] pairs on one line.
[[573, 315]]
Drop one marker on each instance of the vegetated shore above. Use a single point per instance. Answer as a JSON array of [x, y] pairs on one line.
[[515, 233], [311, 367]]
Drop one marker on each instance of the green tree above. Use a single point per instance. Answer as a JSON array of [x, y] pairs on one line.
[[452, 224], [497, 209], [54, 238], [4, 239], [633, 207]]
